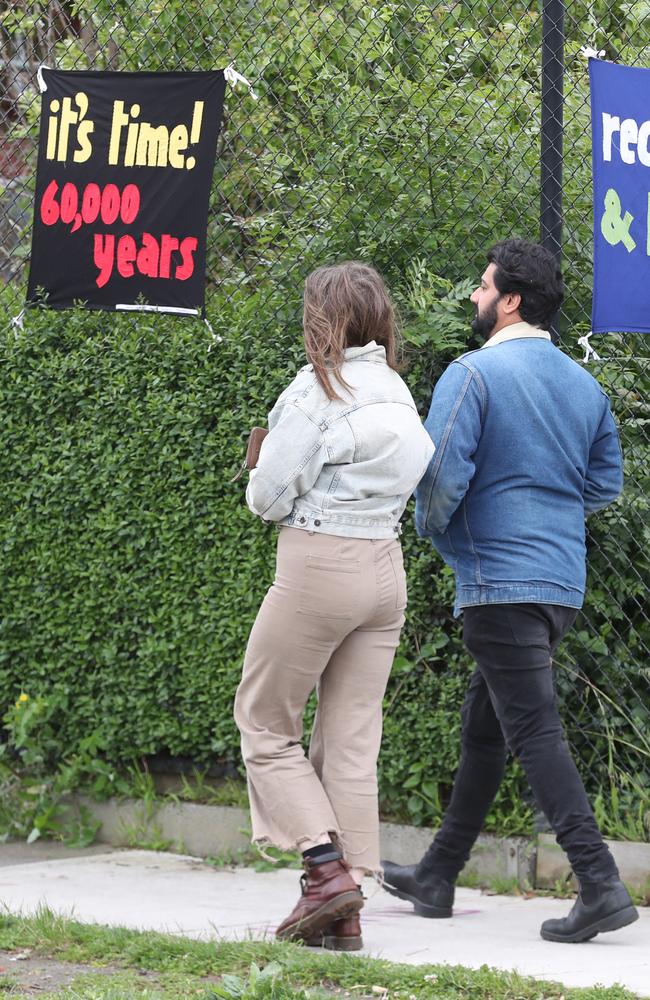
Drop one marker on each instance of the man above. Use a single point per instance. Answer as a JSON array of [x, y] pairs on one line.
[[525, 446]]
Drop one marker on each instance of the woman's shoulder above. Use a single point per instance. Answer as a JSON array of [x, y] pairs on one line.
[[300, 387], [303, 380]]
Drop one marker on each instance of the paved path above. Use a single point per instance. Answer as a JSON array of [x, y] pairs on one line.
[[182, 895]]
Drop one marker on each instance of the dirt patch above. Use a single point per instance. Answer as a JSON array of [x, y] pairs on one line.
[[36, 974]]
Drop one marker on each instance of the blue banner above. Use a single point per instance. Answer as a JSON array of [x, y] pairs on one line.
[[620, 116]]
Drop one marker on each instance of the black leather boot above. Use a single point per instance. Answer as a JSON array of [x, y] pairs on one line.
[[431, 896], [600, 907]]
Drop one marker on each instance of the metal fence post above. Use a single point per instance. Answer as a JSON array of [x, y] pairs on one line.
[[552, 130]]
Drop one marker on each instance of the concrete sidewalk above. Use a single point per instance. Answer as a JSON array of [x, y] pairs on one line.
[[183, 895]]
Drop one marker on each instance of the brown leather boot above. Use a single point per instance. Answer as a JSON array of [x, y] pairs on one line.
[[328, 893], [342, 935]]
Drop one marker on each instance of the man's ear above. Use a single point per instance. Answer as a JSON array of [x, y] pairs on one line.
[[511, 302]]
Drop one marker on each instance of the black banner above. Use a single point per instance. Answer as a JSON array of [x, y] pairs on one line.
[[125, 163]]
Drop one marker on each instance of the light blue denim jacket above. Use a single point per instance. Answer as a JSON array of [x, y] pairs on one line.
[[344, 466], [526, 446]]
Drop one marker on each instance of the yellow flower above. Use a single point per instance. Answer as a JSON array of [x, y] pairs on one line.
[[22, 699]]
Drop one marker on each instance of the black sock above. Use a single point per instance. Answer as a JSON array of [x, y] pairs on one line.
[[322, 852]]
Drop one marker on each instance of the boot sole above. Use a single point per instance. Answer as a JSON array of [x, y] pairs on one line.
[[611, 923], [421, 909], [341, 906], [333, 943]]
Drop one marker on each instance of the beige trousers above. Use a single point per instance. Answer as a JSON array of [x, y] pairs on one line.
[[330, 622]]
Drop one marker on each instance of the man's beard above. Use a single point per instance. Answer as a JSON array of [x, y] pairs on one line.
[[484, 324]]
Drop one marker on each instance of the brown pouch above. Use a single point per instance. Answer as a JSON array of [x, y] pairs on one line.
[[255, 439]]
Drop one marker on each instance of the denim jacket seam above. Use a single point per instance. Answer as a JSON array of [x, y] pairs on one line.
[[483, 390], [332, 487], [367, 361], [471, 542], [440, 450], [328, 450], [515, 589], [293, 475], [351, 429], [352, 408], [311, 417], [479, 379], [330, 518], [306, 392], [294, 392]]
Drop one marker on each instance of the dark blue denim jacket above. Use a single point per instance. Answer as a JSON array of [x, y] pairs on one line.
[[526, 445]]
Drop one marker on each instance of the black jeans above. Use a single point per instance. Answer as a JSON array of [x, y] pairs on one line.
[[511, 704]]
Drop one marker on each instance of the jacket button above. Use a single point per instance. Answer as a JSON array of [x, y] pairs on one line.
[[396, 527], [317, 524], [302, 520]]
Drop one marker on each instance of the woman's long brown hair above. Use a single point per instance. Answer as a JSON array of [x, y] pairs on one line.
[[345, 305]]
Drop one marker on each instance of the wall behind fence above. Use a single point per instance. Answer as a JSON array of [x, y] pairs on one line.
[[404, 134]]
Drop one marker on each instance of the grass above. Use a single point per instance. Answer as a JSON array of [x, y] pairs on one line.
[[152, 966], [226, 792], [250, 857]]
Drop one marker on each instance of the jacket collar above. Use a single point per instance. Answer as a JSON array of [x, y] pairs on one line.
[[517, 331], [369, 352]]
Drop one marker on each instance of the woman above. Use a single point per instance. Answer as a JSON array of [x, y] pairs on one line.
[[345, 450]]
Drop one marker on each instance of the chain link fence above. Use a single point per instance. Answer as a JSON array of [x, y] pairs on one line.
[[407, 134]]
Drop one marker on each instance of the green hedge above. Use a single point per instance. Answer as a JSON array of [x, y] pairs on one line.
[[132, 570]]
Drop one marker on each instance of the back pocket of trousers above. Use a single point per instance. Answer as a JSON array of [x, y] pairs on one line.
[[330, 587]]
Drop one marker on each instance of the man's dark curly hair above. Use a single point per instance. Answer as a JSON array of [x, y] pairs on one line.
[[532, 271]]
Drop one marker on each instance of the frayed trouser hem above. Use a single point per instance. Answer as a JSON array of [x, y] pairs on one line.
[[338, 839]]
